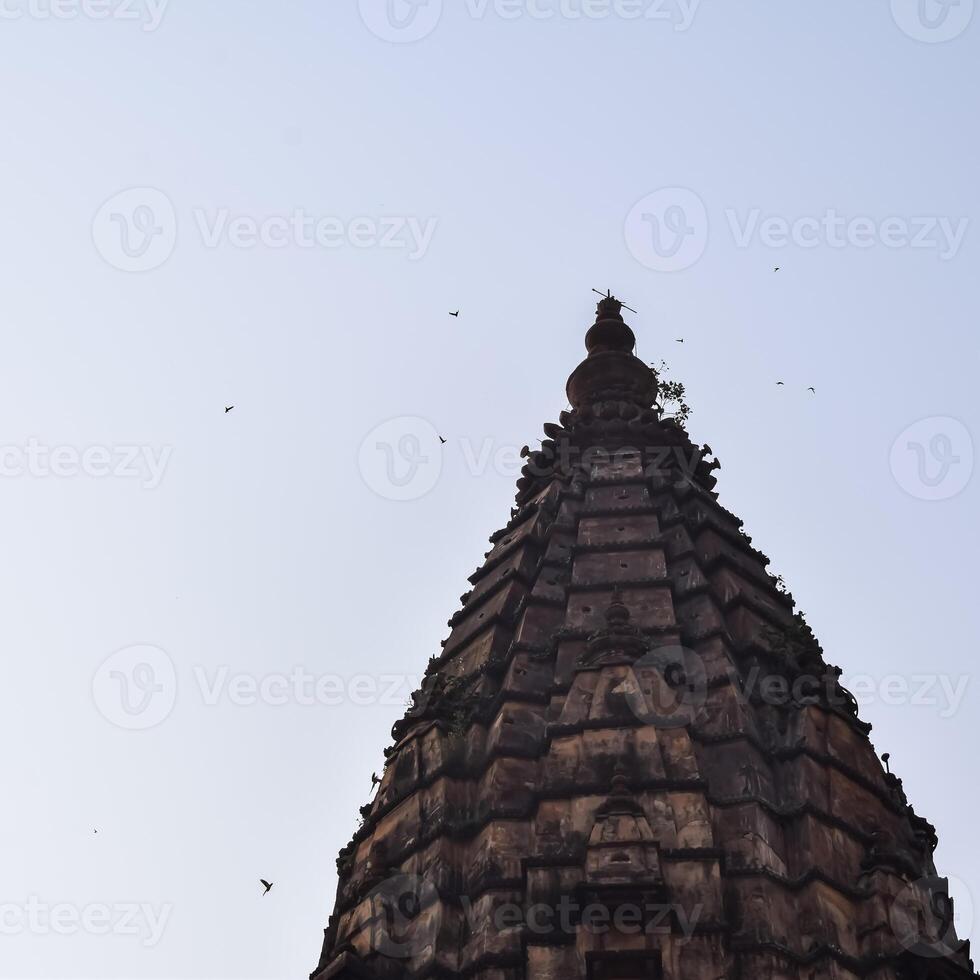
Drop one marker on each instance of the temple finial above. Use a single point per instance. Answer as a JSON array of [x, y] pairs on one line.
[[621, 798], [609, 306], [620, 781], [611, 365], [617, 612], [609, 332]]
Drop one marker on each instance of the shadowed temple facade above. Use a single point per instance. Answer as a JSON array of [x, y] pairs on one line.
[[630, 758]]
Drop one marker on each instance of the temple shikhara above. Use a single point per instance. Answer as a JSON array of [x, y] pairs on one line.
[[631, 758]]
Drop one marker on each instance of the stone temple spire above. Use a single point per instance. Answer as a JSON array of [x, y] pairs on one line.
[[630, 758], [611, 365]]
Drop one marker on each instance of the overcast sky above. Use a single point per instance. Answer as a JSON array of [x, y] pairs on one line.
[[211, 619]]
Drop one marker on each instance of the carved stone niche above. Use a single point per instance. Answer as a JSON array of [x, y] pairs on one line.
[[618, 643], [622, 848], [623, 877]]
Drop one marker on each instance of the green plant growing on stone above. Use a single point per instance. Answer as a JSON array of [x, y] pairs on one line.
[[670, 404], [795, 641]]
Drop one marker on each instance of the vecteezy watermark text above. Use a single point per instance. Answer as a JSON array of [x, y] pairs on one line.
[[941, 691], [679, 13], [566, 915], [36, 917], [302, 230], [407, 21], [402, 459], [401, 930], [148, 13], [303, 688], [668, 230], [97, 462], [834, 230], [136, 688], [136, 230]]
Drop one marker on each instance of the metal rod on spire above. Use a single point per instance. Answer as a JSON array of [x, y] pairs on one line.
[[608, 295]]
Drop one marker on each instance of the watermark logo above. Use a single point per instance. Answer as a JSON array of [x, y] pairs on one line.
[[38, 461], [299, 229], [933, 21], [136, 688], [679, 13], [136, 230], [400, 931], [401, 21], [567, 916], [406, 917], [404, 21], [941, 234], [943, 692], [303, 688], [925, 920], [149, 13], [667, 687], [667, 231], [401, 459], [933, 458], [36, 917]]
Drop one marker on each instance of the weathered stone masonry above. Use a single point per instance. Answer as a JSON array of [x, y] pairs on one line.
[[593, 780]]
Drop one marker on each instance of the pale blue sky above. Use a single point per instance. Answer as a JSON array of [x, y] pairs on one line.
[[524, 143]]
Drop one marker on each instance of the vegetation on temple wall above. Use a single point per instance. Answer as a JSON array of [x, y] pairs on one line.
[[670, 397], [795, 640]]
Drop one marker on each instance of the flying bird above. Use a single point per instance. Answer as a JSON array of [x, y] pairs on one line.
[[681, 341], [443, 441], [375, 779], [776, 269], [229, 408], [455, 314], [781, 383], [814, 390], [265, 884]]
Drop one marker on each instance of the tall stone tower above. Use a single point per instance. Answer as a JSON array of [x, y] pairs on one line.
[[630, 758]]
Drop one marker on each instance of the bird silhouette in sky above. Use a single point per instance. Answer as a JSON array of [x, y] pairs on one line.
[[443, 441], [455, 314], [776, 269], [229, 408], [375, 779], [814, 390], [680, 341], [267, 885]]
